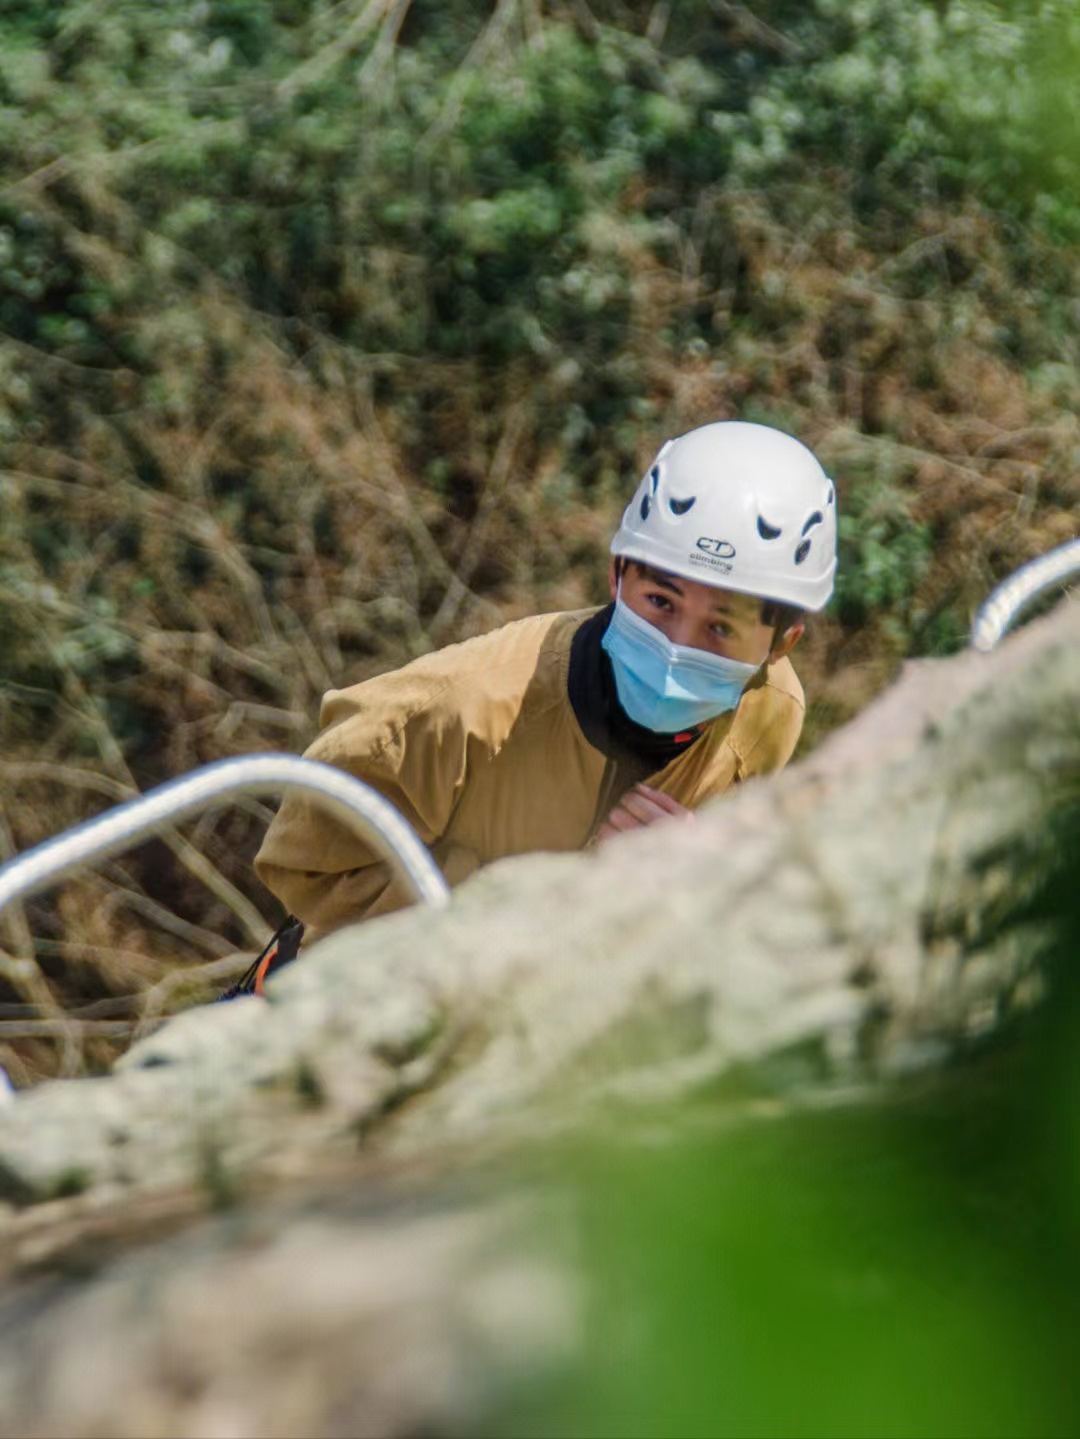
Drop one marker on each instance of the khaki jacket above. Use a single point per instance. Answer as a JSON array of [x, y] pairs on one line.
[[478, 747]]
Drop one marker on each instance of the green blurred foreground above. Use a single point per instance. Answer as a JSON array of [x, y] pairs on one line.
[[902, 1268], [911, 1271]]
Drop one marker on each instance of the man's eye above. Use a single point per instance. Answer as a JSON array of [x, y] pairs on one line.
[[661, 602]]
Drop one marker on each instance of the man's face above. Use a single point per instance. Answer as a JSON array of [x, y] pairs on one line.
[[722, 622]]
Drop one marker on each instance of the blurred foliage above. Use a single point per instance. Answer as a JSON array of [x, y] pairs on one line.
[[896, 1270], [331, 332], [883, 554]]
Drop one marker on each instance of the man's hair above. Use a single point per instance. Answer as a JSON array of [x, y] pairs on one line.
[[779, 616]]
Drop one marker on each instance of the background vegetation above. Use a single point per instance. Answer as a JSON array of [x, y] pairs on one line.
[[332, 332]]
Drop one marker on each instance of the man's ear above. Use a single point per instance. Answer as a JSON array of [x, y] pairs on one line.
[[613, 577], [784, 643]]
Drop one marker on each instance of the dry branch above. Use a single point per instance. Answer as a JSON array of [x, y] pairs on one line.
[[371, 14]]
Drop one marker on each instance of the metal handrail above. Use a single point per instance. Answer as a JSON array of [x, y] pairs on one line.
[[349, 799], [1005, 604]]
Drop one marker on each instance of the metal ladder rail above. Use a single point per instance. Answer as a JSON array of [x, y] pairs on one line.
[[349, 799], [1005, 604]]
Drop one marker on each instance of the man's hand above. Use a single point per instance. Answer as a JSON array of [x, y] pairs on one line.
[[639, 807]]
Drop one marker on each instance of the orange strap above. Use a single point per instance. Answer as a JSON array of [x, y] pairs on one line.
[[264, 965]]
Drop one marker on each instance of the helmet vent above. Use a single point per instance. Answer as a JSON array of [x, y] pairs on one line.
[[645, 504], [654, 475], [801, 551], [680, 507], [832, 495], [767, 531], [817, 518]]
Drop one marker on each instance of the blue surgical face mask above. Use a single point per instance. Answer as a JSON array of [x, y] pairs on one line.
[[667, 687]]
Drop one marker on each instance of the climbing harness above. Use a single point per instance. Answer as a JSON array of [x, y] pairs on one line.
[[1005, 604], [281, 949]]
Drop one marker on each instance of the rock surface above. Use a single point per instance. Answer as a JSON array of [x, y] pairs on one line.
[[291, 1322]]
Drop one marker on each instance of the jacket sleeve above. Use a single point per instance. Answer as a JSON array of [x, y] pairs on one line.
[[398, 733]]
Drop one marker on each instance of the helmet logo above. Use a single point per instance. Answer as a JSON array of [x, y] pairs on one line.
[[722, 549]]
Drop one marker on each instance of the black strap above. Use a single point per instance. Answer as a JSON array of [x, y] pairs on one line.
[[281, 949]]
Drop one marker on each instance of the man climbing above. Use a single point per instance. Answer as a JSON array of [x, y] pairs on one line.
[[562, 729]]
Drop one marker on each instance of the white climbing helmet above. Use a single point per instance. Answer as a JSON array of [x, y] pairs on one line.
[[739, 506]]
